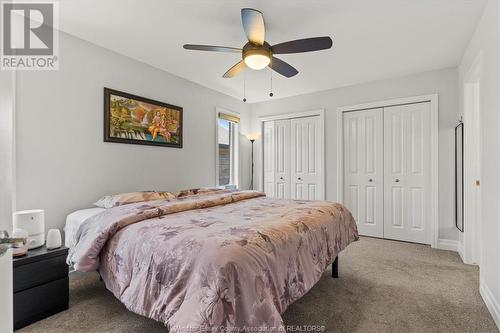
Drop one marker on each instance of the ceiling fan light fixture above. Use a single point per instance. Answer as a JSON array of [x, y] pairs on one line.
[[257, 58], [257, 61]]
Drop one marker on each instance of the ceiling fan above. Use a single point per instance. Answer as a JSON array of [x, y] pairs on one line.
[[257, 53]]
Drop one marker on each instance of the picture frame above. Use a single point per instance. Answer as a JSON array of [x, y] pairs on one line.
[[139, 120]]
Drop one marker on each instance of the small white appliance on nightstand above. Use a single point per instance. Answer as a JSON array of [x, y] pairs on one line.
[[33, 221], [54, 239]]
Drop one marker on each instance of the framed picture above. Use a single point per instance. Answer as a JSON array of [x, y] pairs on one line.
[[138, 120]]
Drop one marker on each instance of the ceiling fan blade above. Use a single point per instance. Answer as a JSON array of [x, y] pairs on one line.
[[282, 67], [211, 48], [235, 70], [303, 45], [253, 24]]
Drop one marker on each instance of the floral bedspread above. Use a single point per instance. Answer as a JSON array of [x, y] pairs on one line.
[[223, 261]]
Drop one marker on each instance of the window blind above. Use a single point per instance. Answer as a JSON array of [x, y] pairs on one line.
[[229, 117]]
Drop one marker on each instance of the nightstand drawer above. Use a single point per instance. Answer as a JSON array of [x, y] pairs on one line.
[[39, 272], [36, 303]]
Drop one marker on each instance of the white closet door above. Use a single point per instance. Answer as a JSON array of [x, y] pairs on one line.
[[407, 165], [306, 162], [269, 184], [282, 159], [363, 169]]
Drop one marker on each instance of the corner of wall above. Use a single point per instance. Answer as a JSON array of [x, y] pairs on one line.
[[490, 301]]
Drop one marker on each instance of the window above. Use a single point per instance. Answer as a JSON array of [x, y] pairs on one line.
[[227, 149]]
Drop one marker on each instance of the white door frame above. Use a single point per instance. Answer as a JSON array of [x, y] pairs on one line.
[[433, 99], [470, 239], [302, 114]]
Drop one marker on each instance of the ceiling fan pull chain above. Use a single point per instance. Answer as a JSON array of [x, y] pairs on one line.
[[271, 92], [244, 87]]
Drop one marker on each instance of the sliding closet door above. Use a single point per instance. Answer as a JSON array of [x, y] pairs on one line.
[[363, 169], [306, 162], [407, 165], [268, 137], [282, 158]]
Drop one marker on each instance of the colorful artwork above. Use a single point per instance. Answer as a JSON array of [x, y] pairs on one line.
[[138, 120]]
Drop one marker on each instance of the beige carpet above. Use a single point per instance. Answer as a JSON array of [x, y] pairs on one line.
[[384, 286]]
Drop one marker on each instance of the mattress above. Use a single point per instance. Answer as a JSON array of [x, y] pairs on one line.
[[74, 221]]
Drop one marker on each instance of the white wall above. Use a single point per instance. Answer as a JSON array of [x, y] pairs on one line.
[[486, 41], [442, 82], [6, 194], [63, 163], [7, 151]]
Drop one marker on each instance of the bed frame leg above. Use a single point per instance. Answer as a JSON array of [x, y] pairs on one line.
[[335, 268]]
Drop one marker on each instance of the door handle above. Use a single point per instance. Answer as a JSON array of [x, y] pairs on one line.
[[370, 180], [397, 180], [299, 178], [281, 178]]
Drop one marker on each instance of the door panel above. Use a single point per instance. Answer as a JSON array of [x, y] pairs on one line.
[[363, 169], [352, 201], [269, 185], [282, 158], [371, 202], [306, 163], [407, 165], [397, 207], [297, 194], [313, 191], [417, 208]]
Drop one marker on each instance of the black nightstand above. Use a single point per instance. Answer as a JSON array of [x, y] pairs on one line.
[[41, 285]]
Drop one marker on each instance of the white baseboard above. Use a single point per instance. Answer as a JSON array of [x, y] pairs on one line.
[[490, 301], [460, 250], [447, 244]]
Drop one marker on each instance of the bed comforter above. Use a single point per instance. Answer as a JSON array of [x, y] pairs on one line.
[[223, 261]]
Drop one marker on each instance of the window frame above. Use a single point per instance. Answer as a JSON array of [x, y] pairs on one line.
[[234, 153]]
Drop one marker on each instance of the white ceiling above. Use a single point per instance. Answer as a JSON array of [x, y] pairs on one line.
[[372, 39]]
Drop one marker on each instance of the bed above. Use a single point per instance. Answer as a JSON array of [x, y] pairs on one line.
[[217, 261], [74, 221]]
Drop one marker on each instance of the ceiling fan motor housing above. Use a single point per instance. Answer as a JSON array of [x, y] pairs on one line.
[[251, 48]]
